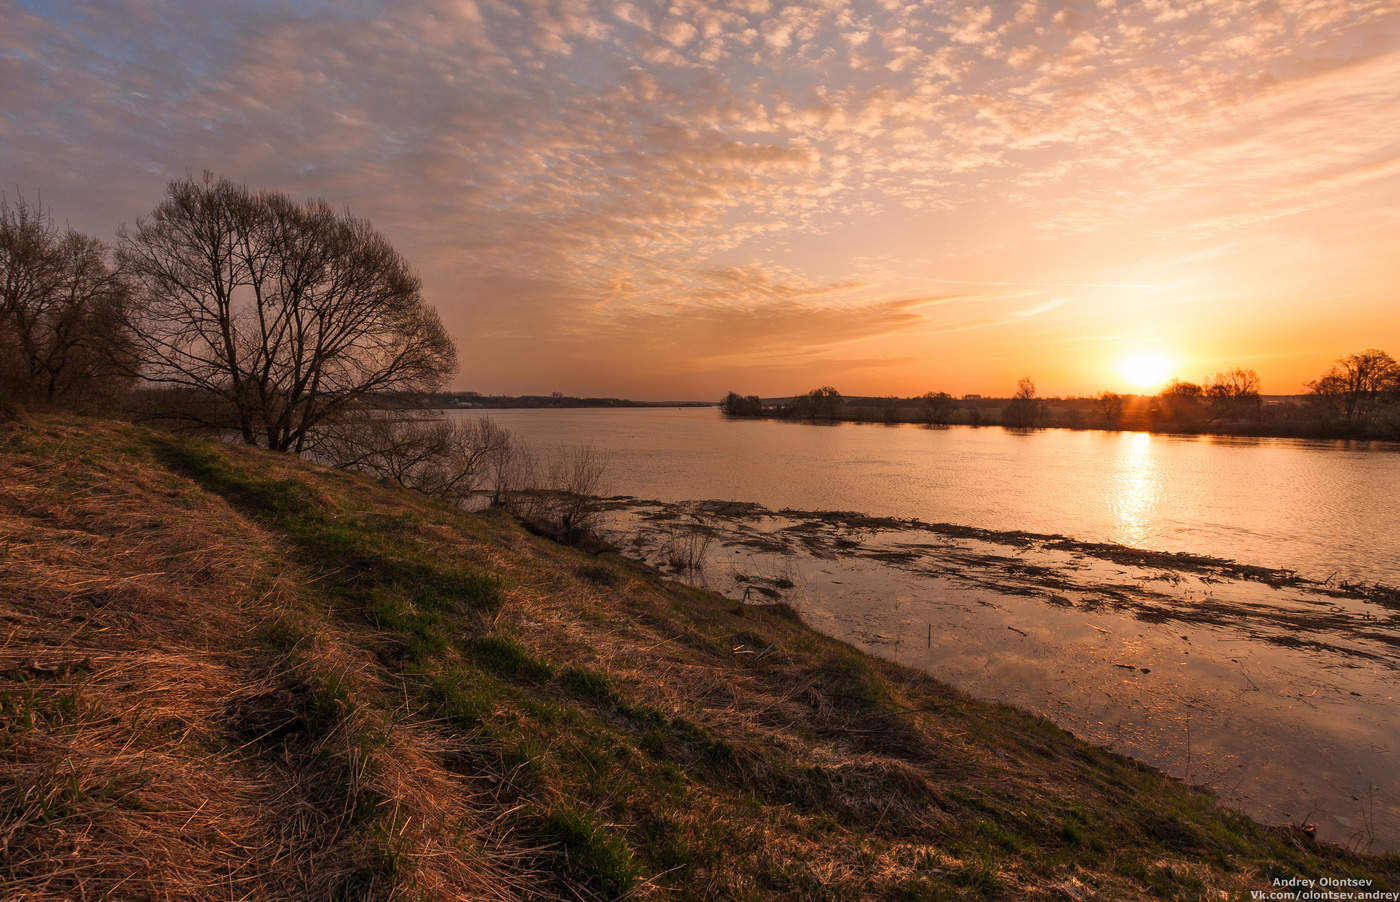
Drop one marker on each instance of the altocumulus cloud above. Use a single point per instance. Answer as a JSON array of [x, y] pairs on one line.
[[698, 188]]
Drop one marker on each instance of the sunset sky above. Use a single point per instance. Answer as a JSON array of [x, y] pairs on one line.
[[660, 200]]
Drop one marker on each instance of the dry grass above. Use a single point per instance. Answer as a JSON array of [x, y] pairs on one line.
[[139, 702], [227, 674]]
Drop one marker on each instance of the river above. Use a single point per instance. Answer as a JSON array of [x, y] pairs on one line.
[[1319, 507], [1274, 687]]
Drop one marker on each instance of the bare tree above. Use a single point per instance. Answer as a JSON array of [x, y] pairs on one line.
[[1185, 390], [1025, 409], [1110, 407], [1358, 387], [737, 405], [286, 313], [452, 460], [61, 308], [1234, 395], [825, 402], [938, 407], [1180, 405]]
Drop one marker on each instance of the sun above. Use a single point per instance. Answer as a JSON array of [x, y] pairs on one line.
[[1146, 370]]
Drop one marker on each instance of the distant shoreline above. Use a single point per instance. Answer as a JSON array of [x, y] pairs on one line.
[[1216, 432], [1277, 418], [1074, 414], [474, 401]]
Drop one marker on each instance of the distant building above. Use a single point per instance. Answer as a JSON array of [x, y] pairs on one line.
[[972, 397]]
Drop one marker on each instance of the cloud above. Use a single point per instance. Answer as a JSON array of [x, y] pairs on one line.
[[613, 167], [1038, 309]]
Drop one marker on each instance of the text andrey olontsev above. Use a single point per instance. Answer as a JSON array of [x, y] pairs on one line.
[[1301, 888]]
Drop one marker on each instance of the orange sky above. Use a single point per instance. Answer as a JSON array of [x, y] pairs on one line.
[[673, 200]]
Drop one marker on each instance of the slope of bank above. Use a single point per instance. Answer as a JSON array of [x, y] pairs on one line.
[[226, 673]]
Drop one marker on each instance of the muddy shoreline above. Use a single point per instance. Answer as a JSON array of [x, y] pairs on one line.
[[1052, 567], [1273, 688]]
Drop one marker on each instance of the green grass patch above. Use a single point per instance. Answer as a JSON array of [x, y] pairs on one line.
[[284, 634], [997, 834], [506, 657], [853, 682], [592, 852], [589, 685], [35, 707], [597, 574], [329, 702], [369, 559], [522, 763], [978, 877], [462, 696]]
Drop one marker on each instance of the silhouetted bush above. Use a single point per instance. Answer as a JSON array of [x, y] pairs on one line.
[[736, 405], [938, 407], [63, 310], [1025, 410], [1359, 395]]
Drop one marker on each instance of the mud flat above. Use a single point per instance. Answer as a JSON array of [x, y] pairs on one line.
[[1274, 689]]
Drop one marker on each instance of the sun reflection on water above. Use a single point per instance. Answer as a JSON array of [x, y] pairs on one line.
[[1134, 488]]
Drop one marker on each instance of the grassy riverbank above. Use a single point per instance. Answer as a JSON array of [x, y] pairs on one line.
[[227, 673]]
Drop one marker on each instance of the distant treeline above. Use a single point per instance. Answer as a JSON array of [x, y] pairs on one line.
[[472, 400], [1358, 397]]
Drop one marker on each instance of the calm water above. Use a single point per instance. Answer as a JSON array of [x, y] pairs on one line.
[[1289, 719], [1316, 507]]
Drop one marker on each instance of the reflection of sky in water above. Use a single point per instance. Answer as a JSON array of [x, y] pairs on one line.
[[1317, 507], [1288, 733], [1134, 489]]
